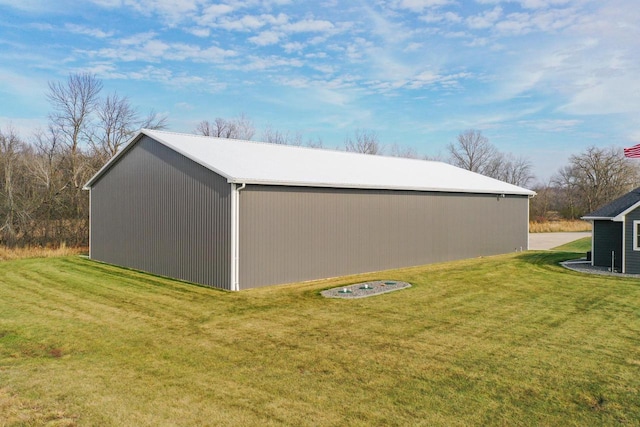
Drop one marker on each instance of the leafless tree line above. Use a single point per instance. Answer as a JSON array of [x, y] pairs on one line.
[[41, 197], [42, 202], [474, 152], [590, 180]]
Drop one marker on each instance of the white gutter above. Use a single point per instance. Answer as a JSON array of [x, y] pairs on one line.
[[235, 235]]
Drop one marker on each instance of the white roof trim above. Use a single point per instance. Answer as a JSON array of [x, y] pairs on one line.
[[251, 162], [621, 215], [598, 218]]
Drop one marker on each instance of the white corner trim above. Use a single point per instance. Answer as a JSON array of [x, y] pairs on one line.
[[636, 238], [90, 192], [235, 235], [234, 239], [624, 244]]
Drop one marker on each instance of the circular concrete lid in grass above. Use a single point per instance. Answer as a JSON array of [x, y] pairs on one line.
[[365, 289]]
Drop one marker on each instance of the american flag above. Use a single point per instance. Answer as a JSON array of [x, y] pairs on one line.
[[633, 152]]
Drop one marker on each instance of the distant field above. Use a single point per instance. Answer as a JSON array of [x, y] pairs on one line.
[[559, 226], [38, 252], [506, 340]]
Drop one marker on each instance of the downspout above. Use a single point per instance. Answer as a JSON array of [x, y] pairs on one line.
[[235, 235], [528, 218]]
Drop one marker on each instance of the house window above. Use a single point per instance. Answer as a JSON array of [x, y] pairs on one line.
[[636, 235]]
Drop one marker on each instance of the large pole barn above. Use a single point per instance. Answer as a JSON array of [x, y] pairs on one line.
[[239, 214]]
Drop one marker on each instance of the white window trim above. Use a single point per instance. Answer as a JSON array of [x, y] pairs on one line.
[[636, 240]]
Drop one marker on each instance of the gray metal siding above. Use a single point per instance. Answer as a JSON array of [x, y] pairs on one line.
[[607, 237], [632, 258], [290, 234], [157, 211]]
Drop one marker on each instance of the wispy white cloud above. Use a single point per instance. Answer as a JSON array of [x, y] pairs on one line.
[[151, 73], [93, 32], [213, 12], [184, 106], [257, 63], [146, 47], [437, 16], [420, 5], [484, 20], [308, 26], [551, 125], [293, 47], [265, 38], [172, 11], [199, 31], [245, 23]]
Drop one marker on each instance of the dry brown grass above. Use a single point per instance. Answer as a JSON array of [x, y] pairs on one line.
[[559, 226], [38, 252], [15, 411]]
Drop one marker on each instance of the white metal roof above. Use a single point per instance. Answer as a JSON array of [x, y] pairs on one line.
[[271, 164]]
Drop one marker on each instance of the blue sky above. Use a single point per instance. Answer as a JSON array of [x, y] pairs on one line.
[[540, 78]]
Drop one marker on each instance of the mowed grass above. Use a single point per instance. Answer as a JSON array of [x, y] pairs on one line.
[[507, 340], [580, 246]]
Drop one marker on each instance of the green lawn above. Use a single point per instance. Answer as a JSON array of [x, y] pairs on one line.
[[507, 340], [581, 245]]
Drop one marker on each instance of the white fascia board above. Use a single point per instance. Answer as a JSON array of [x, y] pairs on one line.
[[495, 192], [621, 215], [597, 218]]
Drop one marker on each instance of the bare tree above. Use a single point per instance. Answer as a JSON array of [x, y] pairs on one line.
[[365, 142], [153, 120], [596, 177], [10, 147], [282, 138], [543, 206], [515, 170], [116, 122], [73, 102], [473, 151], [315, 143], [45, 162], [240, 127], [400, 151], [114, 126]]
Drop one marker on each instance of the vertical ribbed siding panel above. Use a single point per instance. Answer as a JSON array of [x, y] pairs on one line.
[[157, 211], [290, 234], [607, 237]]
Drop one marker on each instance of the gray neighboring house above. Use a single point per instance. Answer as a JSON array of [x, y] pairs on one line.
[[238, 214], [615, 239]]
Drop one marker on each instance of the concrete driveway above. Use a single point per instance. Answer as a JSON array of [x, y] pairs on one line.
[[543, 241]]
